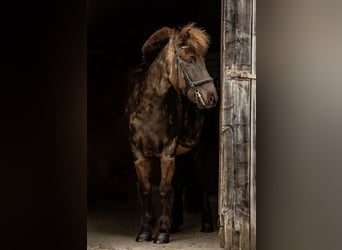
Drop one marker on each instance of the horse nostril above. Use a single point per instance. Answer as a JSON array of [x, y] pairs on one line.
[[211, 100]]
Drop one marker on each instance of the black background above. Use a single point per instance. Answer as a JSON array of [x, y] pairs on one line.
[[44, 119]]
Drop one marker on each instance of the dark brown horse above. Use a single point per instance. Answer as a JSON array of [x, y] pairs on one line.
[[164, 113]]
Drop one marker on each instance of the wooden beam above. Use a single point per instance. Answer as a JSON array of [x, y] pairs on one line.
[[237, 202]]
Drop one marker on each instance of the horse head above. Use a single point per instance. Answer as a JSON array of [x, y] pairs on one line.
[[185, 52]]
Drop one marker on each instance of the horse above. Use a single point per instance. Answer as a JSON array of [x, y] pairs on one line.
[[164, 115]]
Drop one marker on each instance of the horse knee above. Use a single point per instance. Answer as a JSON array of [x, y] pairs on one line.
[[165, 190], [143, 169], [145, 189]]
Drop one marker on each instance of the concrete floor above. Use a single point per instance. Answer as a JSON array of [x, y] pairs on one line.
[[114, 225]]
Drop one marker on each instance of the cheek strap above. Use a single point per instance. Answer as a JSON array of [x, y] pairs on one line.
[[185, 75]]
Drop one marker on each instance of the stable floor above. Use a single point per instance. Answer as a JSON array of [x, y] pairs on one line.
[[114, 225]]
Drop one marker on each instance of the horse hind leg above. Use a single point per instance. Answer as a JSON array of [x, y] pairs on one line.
[[143, 169], [206, 215], [177, 208], [167, 165]]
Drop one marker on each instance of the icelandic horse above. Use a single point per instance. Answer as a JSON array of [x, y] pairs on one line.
[[164, 114]]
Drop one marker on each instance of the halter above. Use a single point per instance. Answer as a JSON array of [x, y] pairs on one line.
[[185, 75]]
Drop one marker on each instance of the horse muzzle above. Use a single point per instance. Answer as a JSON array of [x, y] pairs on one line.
[[202, 98]]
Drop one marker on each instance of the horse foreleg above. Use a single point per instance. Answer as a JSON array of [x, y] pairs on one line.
[[143, 169], [167, 165]]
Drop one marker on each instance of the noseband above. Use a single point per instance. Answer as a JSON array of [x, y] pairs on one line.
[[185, 75]]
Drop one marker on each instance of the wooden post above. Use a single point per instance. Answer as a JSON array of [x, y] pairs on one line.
[[237, 192]]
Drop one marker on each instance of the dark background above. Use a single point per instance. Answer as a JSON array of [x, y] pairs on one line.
[[43, 108]]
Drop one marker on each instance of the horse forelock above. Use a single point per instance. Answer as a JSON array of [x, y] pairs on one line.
[[197, 39]]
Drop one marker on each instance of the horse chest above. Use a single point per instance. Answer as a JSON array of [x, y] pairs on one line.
[[190, 131], [155, 128]]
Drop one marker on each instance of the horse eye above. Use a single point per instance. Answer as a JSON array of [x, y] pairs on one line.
[[190, 60]]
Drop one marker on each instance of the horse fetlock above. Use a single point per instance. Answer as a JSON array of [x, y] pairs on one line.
[[165, 222], [149, 218]]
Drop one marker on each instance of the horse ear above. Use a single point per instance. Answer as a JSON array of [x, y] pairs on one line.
[[155, 43]]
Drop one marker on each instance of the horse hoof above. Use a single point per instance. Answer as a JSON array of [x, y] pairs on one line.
[[207, 227], [144, 236], [162, 237]]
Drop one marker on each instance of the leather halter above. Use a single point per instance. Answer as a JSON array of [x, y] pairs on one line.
[[185, 75]]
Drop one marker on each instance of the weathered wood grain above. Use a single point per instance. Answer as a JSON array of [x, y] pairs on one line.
[[253, 135], [237, 191]]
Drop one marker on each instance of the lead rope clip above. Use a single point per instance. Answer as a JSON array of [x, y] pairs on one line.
[[199, 97]]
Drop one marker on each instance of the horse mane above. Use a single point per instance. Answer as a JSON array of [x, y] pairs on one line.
[[155, 43]]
